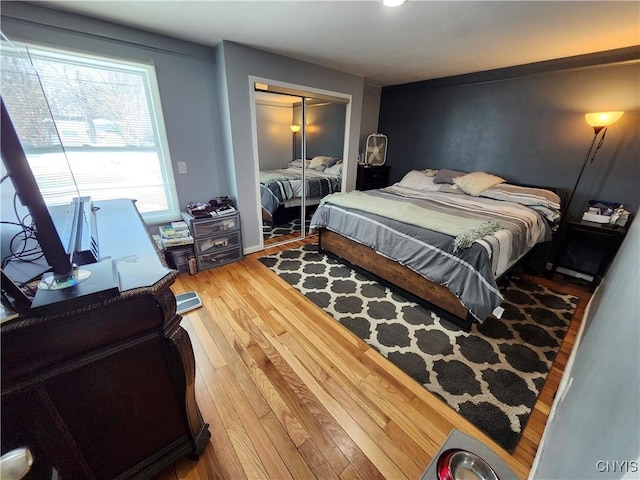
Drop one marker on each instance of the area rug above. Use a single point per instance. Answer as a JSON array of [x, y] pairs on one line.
[[491, 375], [287, 228]]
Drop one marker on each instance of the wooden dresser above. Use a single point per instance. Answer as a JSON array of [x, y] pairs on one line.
[[105, 389]]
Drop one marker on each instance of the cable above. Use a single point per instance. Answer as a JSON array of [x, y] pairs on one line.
[[23, 251]]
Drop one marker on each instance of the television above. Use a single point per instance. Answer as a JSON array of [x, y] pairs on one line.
[[65, 284]]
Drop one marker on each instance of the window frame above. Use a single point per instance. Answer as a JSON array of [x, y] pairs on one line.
[[156, 117]]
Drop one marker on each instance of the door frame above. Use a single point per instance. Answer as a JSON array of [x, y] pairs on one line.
[[300, 89]]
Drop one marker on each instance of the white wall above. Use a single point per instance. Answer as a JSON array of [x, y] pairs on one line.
[[598, 418], [236, 64]]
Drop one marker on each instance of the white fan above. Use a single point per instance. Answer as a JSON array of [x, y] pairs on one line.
[[376, 152]]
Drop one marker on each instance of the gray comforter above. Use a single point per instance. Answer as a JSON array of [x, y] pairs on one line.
[[469, 272], [277, 186]]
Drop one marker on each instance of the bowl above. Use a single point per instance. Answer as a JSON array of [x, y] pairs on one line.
[[456, 464]]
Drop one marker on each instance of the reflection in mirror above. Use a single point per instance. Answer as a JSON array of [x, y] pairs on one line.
[[280, 182], [323, 139], [289, 129]]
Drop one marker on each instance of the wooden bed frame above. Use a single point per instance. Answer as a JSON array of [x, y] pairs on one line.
[[396, 275], [280, 215], [412, 284]]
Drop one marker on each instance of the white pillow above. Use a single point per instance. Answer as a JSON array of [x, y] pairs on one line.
[[418, 180], [319, 161], [335, 169], [477, 182]]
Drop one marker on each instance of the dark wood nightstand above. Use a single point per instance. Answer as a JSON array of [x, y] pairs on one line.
[[372, 177], [600, 241]]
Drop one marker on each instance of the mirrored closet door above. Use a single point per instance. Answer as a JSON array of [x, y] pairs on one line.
[[300, 157]]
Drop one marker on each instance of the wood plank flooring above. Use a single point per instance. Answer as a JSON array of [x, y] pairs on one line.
[[291, 394]]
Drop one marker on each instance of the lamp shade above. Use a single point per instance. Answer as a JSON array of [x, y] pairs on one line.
[[602, 119], [295, 128]]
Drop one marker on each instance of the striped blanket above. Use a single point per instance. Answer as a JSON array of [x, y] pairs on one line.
[[277, 186], [469, 273]]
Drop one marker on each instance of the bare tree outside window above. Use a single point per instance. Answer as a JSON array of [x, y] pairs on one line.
[[87, 126]]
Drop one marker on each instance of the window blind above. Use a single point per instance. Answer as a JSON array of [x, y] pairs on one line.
[[90, 126]]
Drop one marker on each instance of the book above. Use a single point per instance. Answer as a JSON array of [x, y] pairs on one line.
[[176, 241], [180, 225], [171, 232]]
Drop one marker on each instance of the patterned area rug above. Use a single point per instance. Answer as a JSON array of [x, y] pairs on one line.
[[491, 375], [288, 228]]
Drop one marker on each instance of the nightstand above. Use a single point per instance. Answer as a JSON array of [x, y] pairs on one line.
[[597, 242], [370, 177]]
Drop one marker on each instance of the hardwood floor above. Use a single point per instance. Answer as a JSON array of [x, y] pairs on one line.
[[289, 393]]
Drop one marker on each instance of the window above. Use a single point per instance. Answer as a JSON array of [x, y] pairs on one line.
[[90, 126]]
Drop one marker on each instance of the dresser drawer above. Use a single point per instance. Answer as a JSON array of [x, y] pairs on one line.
[[221, 241], [214, 226], [217, 258]]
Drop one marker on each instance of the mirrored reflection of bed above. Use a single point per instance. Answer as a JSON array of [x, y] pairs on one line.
[[282, 189]]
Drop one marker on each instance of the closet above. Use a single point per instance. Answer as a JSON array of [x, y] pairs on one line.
[[301, 144]]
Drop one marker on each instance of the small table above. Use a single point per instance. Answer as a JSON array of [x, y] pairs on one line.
[[602, 238], [370, 177]]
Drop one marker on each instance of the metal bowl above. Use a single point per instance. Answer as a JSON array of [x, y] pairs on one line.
[[458, 464]]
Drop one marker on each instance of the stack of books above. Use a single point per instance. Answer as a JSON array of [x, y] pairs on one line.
[[175, 235]]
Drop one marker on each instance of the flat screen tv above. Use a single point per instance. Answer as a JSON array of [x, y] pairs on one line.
[[64, 275]]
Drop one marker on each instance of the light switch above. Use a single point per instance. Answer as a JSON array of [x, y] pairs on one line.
[[182, 167]]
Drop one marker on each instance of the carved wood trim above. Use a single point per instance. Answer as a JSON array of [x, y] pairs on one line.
[[182, 365]]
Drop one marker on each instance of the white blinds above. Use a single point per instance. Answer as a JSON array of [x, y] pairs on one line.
[[90, 126]]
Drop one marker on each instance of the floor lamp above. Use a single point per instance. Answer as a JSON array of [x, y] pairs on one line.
[[599, 121], [295, 129]]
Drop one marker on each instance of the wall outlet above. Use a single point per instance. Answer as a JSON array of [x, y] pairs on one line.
[[182, 167]]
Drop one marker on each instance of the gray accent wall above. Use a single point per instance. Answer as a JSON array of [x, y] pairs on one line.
[[186, 80], [596, 419], [236, 64], [525, 124]]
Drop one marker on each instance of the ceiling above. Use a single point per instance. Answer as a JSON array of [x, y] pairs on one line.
[[418, 41]]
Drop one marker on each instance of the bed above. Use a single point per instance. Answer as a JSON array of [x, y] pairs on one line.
[[282, 188], [445, 242]]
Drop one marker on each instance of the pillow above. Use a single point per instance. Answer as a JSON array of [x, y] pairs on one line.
[[297, 163], [321, 161], [446, 176], [332, 161], [335, 169], [477, 182], [524, 195], [417, 180]]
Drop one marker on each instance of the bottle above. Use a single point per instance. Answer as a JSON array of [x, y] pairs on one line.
[[193, 266]]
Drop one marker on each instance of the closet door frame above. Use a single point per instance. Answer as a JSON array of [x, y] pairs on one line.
[[305, 92]]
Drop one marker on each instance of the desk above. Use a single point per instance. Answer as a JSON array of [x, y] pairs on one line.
[[105, 390], [601, 239]]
